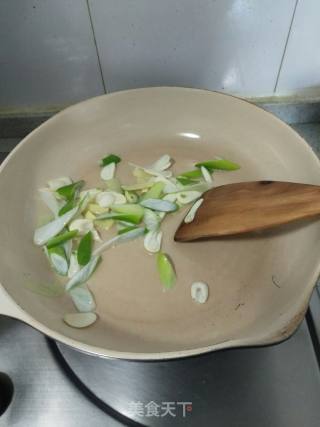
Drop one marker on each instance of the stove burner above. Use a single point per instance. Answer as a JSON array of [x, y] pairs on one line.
[[249, 386], [6, 392]]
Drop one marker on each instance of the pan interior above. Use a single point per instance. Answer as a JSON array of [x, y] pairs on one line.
[[256, 283]]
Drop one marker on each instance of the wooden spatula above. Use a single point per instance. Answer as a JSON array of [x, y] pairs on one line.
[[250, 206]]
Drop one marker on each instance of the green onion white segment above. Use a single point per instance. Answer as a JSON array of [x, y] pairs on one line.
[[72, 241]]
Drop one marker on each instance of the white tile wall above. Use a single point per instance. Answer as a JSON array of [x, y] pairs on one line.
[[47, 53], [301, 64], [231, 45]]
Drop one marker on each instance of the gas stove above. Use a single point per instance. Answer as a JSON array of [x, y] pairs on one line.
[[55, 385]]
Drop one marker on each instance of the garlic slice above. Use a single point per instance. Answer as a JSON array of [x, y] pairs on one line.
[[199, 292], [192, 212], [79, 320], [185, 197]]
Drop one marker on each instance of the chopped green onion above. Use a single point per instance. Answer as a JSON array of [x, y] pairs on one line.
[[134, 210], [67, 207], [201, 187], [120, 238], [194, 174], [68, 192], [152, 241], [133, 219], [85, 249], [74, 266], [67, 246], [111, 158], [107, 172], [166, 270], [49, 198], [185, 181], [58, 260], [61, 238], [154, 192], [83, 275], [56, 183], [83, 299], [159, 205], [206, 174], [220, 164], [151, 219], [43, 234], [126, 229]]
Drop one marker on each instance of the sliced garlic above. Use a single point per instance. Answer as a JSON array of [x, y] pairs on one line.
[[119, 199], [152, 241], [199, 292], [192, 212], [105, 199], [96, 209], [79, 320], [89, 215], [185, 197], [82, 225], [107, 172]]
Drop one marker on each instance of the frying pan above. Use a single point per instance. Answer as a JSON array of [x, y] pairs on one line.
[[259, 286]]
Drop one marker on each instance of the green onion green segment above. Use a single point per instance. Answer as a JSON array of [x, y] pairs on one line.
[[68, 192], [61, 238], [85, 249], [220, 164], [111, 158]]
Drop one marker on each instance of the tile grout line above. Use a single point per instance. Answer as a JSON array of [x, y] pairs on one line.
[[285, 47], [96, 46]]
